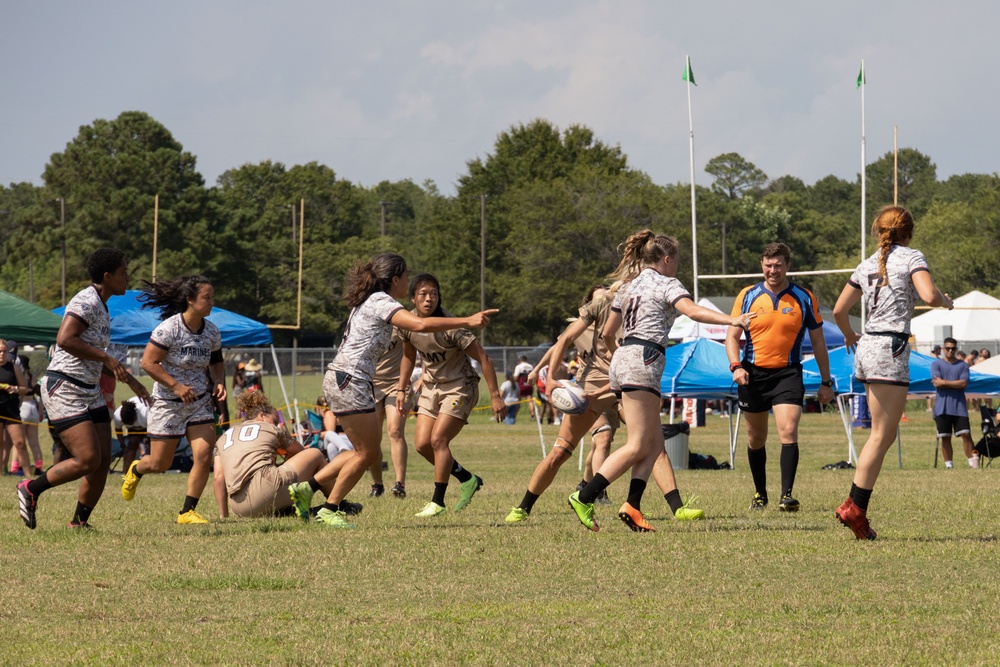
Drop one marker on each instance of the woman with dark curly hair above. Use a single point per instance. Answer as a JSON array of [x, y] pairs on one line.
[[179, 352]]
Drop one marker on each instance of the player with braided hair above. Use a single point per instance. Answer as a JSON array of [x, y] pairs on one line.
[[890, 282]]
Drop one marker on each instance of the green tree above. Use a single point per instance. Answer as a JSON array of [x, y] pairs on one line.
[[534, 163], [257, 203], [734, 175], [961, 241], [109, 175], [916, 180]]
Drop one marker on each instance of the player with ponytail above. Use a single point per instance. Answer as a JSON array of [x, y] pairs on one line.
[[645, 308], [372, 290], [890, 282]]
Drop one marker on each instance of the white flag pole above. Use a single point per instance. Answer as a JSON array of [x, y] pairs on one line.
[[689, 76], [864, 162]]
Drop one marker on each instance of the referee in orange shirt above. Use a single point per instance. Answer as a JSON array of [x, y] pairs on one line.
[[769, 377]]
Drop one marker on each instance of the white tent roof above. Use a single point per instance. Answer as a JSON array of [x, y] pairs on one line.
[[991, 366], [976, 317], [684, 327]]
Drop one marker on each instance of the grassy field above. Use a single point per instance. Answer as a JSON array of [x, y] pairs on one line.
[[737, 588]]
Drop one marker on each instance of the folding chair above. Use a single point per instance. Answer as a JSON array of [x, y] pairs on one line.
[[315, 428], [989, 445]]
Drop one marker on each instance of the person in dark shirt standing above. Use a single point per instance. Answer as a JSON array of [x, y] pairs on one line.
[[950, 377]]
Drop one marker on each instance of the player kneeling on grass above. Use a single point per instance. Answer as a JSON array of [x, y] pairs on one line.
[[247, 479]]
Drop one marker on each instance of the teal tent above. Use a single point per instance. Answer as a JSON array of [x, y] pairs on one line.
[[26, 322]]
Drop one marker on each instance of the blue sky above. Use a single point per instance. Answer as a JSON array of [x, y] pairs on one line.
[[395, 90]]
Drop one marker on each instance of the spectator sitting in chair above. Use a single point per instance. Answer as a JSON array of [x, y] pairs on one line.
[[950, 377]]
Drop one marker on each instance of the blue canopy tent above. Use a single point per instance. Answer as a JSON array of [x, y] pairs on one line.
[[847, 385], [842, 371], [831, 333], [131, 324]]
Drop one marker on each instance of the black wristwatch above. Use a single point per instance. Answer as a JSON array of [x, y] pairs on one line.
[[827, 383]]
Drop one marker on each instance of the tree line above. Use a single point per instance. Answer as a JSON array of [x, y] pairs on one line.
[[558, 203]]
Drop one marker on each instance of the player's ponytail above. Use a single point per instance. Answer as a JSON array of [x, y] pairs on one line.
[[375, 275], [892, 225], [640, 250], [171, 296]]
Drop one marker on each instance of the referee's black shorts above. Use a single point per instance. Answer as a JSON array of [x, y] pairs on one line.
[[771, 386]]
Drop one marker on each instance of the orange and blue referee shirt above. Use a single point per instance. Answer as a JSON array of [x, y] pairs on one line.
[[774, 338]]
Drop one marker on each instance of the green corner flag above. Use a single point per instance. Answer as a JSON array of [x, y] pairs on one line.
[[861, 76], [688, 72]]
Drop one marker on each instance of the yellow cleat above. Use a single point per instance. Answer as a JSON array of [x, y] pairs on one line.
[[191, 517], [130, 482]]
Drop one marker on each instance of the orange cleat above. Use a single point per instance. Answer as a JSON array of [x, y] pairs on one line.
[[633, 518]]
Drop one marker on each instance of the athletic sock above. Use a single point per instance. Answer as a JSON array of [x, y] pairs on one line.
[[674, 500], [333, 507], [39, 484], [758, 468], [593, 489], [439, 490], [190, 502], [528, 501], [789, 461], [82, 514], [861, 496], [635, 490], [460, 473], [314, 485]]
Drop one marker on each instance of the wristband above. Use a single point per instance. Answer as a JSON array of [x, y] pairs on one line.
[[733, 366]]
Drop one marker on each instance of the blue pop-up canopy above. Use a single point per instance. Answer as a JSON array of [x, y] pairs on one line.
[[697, 369], [700, 369], [842, 371], [831, 333], [131, 324]]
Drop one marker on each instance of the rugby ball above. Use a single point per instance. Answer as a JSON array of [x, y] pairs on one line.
[[568, 398]]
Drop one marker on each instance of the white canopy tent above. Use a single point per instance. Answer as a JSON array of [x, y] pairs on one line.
[[976, 317], [685, 328], [990, 367]]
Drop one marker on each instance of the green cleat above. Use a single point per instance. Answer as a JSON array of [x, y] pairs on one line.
[[467, 490], [301, 494], [584, 512], [333, 519], [517, 515], [130, 482], [431, 509], [688, 513]]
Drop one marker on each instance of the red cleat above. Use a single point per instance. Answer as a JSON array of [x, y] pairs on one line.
[[856, 519]]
